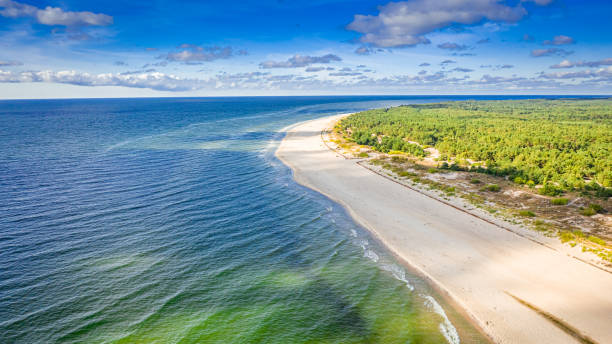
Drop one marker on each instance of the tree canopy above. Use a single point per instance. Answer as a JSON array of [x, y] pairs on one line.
[[564, 142]]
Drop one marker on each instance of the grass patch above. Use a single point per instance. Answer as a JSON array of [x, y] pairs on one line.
[[559, 201], [527, 213], [566, 236], [363, 155], [491, 188], [588, 211], [475, 181], [596, 240], [591, 210]]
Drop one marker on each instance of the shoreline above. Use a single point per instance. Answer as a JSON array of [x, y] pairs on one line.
[[484, 270]]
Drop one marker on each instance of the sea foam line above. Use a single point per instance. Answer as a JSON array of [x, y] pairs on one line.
[[446, 327]]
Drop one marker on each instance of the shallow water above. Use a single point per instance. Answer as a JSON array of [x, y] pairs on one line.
[[170, 220]]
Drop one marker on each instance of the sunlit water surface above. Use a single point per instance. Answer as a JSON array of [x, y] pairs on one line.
[[171, 221]]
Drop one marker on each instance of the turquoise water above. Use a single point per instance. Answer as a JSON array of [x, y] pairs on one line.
[[170, 221]]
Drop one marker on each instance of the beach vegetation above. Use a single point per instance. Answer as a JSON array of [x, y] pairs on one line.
[[596, 240], [527, 213], [559, 201], [558, 145], [491, 188]]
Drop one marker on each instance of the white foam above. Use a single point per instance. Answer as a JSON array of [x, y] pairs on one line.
[[399, 274], [446, 327], [372, 255], [353, 233]]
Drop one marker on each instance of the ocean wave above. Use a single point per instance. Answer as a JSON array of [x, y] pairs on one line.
[[446, 327]]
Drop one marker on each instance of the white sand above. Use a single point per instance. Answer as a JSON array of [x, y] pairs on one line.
[[477, 264]]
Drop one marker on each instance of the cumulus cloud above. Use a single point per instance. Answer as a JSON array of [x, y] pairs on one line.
[[463, 70], [424, 64], [550, 52], [347, 80], [345, 74], [453, 46], [406, 23], [193, 54], [447, 62], [53, 15], [570, 64], [363, 50], [560, 40], [602, 73], [155, 80], [497, 67], [300, 61], [314, 69]]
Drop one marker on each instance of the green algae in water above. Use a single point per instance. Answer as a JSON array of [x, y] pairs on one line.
[[169, 221]]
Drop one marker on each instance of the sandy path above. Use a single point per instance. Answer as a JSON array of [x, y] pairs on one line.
[[476, 263]]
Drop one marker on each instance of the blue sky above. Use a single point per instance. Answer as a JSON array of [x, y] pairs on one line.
[[281, 47]]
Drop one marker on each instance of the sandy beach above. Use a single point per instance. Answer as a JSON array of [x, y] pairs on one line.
[[515, 289]]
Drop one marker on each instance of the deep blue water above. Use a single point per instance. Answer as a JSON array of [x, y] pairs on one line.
[[170, 220]]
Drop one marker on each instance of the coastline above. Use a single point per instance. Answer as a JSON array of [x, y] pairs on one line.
[[514, 289]]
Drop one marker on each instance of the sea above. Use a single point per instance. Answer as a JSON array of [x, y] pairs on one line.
[[169, 220]]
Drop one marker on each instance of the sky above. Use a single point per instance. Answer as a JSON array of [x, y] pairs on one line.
[[159, 48]]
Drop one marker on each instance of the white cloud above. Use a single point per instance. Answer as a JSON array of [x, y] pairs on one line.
[[560, 40], [155, 80], [550, 52], [462, 70], [53, 15], [453, 46], [193, 54], [10, 63], [570, 64], [605, 73], [300, 61], [314, 69], [363, 50], [406, 23]]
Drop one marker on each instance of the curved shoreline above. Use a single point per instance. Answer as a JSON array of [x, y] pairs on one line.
[[475, 263]]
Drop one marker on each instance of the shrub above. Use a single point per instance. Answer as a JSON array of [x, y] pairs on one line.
[[550, 190], [475, 181], [527, 213], [406, 174], [596, 207], [566, 236], [519, 180], [592, 209], [398, 159], [493, 188], [596, 240], [432, 170], [588, 211], [559, 201]]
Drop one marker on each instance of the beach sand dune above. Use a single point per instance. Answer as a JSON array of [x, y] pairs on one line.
[[515, 289]]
